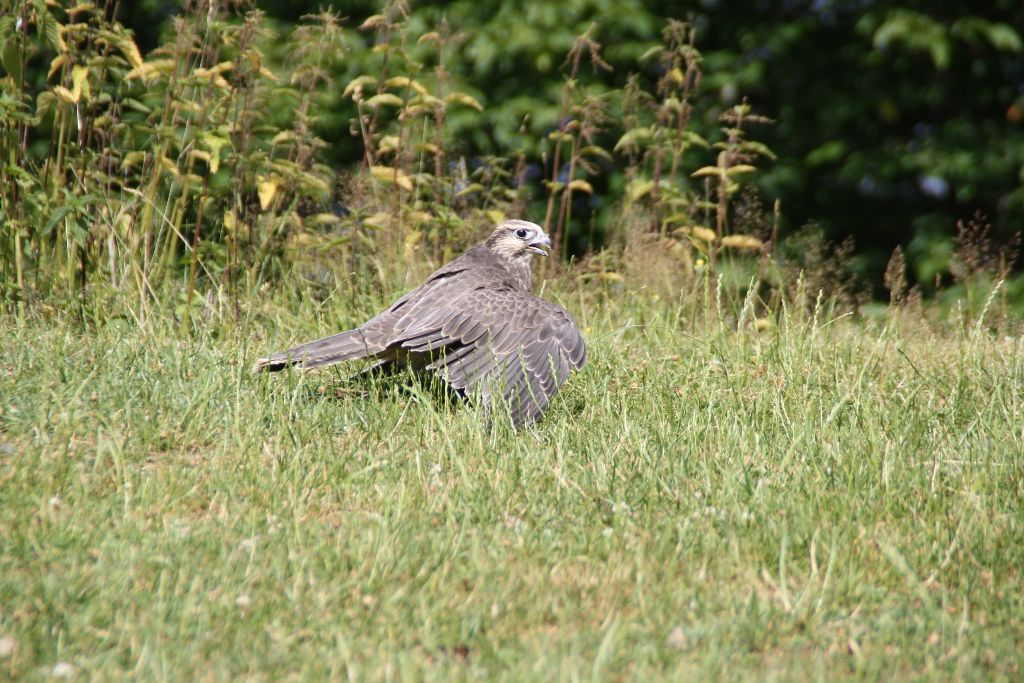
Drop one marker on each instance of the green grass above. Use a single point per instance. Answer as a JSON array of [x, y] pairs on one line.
[[819, 500]]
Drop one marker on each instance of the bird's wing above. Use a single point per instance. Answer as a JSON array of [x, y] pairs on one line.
[[375, 337], [503, 345]]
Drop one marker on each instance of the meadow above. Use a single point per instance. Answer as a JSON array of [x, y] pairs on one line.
[[818, 499], [760, 474]]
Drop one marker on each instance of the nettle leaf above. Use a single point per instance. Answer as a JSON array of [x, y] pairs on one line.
[[581, 185], [80, 83], [688, 138], [373, 21], [917, 31], [132, 158], [742, 242], [752, 146], [651, 53], [266, 188], [388, 143], [64, 95], [55, 65], [202, 155], [405, 82], [359, 83], [56, 217], [706, 171], [321, 220], [10, 57], [52, 29], [419, 217], [385, 98], [386, 174], [638, 189], [464, 99], [1004, 37], [676, 76], [311, 184], [631, 139], [149, 72], [135, 105], [470, 189], [45, 102], [190, 179], [426, 99], [215, 74], [740, 168], [697, 232], [379, 220], [7, 24], [595, 151], [283, 136], [125, 45]]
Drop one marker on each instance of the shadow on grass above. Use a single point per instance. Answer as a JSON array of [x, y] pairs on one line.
[[386, 381]]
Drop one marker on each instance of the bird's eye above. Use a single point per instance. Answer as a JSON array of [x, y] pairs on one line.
[[521, 233]]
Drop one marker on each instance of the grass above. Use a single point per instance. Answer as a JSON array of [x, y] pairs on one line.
[[822, 499]]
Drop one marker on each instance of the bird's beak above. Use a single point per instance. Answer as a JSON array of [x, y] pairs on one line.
[[541, 241]]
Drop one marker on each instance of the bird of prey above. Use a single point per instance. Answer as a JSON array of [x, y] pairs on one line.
[[475, 324]]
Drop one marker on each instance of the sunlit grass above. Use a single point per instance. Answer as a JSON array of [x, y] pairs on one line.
[[818, 499]]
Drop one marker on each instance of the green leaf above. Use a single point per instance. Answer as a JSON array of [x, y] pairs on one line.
[[581, 185], [405, 82], [595, 151], [464, 99], [10, 57], [1004, 37], [831, 151], [631, 139], [385, 98], [755, 147], [56, 217], [52, 30], [359, 82], [470, 189]]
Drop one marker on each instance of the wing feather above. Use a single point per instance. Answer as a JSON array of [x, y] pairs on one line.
[[507, 347]]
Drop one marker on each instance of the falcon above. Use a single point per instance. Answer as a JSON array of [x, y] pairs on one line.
[[475, 324]]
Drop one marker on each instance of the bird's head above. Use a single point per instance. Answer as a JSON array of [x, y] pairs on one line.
[[517, 240]]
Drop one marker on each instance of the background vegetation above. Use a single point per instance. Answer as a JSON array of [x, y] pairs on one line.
[[891, 120], [244, 129]]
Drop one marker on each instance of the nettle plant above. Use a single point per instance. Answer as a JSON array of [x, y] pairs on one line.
[[583, 115], [409, 189], [197, 168], [688, 210], [194, 162]]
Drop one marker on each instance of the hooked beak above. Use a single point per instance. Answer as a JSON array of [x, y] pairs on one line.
[[541, 241]]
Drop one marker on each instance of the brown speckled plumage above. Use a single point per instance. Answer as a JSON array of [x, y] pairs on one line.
[[475, 323]]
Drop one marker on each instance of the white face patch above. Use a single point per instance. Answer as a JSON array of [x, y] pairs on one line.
[[518, 240]]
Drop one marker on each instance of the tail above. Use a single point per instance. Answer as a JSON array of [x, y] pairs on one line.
[[326, 351]]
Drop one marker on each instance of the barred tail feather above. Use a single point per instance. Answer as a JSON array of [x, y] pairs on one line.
[[326, 351]]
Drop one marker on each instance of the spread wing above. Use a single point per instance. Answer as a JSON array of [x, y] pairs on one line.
[[423, 306], [506, 346]]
